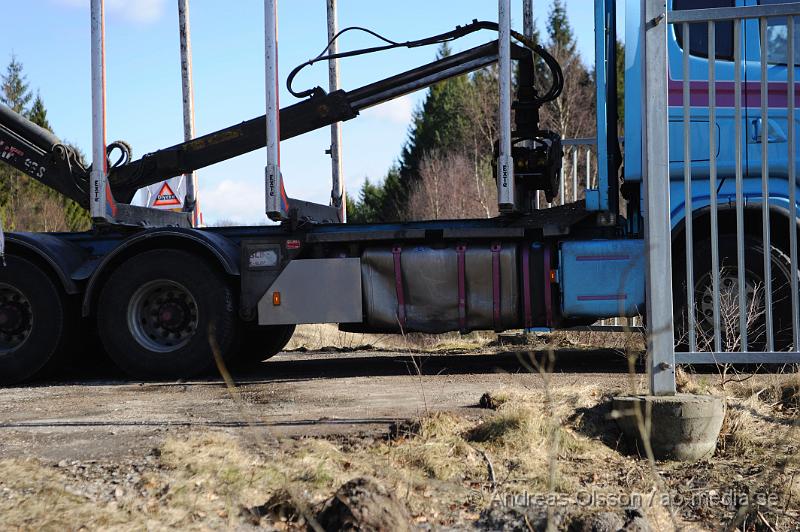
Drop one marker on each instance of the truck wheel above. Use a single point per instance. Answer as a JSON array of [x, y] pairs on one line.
[[729, 290], [163, 313], [32, 326], [261, 342]]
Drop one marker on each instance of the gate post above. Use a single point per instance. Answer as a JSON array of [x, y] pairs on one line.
[[665, 424], [660, 327]]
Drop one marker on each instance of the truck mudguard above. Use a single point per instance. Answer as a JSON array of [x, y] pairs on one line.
[[60, 256], [222, 249]]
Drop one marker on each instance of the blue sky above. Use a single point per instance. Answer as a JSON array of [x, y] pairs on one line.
[[51, 39]]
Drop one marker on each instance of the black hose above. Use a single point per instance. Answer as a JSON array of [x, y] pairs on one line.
[[125, 153], [557, 86], [460, 31]]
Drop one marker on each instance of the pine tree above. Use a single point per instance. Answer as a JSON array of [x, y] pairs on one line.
[[559, 29], [440, 124], [14, 91], [38, 114], [370, 203], [26, 204], [572, 114]]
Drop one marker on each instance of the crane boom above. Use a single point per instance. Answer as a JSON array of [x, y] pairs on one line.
[[41, 155]]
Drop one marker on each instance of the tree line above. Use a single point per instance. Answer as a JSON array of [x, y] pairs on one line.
[[444, 170], [26, 204]]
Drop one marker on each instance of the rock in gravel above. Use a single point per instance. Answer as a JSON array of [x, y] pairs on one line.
[[404, 429], [637, 522], [363, 504], [506, 518], [280, 508], [606, 522]]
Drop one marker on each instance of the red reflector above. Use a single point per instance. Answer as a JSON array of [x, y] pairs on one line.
[[292, 244]]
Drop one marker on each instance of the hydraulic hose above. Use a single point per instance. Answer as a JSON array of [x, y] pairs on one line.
[[554, 91]]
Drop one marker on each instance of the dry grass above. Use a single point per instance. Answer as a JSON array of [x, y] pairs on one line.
[[35, 497], [445, 468], [624, 342], [329, 337], [204, 479]]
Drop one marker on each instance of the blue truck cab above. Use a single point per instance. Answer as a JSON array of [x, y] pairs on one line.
[[724, 129], [712, 147]]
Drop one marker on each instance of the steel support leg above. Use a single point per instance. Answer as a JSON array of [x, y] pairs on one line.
[[277, 204], [505, 163]]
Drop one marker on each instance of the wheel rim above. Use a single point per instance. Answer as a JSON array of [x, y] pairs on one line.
[[162, 316], [16, 318], [729, 294]]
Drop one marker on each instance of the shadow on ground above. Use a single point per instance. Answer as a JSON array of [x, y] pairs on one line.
[[301, 366]]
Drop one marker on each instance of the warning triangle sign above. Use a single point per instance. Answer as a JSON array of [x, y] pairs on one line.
[[166, 197]]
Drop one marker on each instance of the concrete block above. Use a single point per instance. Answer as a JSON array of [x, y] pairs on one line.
[[681, 427]]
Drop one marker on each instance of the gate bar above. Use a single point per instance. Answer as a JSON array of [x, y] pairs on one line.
[[792, 179], [767, 245], [740, 264], [687, 192], [712, 179], [732, 357], [574, 174]]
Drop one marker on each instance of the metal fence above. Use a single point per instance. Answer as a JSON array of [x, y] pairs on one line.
[[576, 172], [729, 93]]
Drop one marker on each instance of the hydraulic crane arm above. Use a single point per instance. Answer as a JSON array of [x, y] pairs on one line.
[[320, 110], [40, 154]]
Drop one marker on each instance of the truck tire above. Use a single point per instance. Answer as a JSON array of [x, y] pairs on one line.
[[163, 314], [32, 323], [754, 282], [262, 342]]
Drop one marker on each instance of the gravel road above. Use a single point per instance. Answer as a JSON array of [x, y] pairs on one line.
[[293, 394]]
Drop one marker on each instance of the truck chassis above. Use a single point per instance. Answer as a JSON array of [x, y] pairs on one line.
[[169, 300]]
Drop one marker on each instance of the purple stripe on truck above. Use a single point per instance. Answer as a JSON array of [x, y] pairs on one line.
[[609, 297], [602, 257]]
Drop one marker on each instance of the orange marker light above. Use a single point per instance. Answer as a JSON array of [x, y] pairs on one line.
[[276, 299]]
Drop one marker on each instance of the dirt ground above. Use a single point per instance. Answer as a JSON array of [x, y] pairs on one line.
[[450, 437], [291, 395]]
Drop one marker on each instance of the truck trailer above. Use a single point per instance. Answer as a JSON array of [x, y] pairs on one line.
[[169, 300]]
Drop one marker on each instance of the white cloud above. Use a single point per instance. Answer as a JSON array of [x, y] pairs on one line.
[[136, 11], [397, 111], [233, 201]]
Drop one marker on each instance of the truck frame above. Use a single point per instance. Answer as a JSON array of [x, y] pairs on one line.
[[170, 300]]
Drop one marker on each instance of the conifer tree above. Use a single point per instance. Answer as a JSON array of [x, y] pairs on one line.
[[14, 91], [26, 204]]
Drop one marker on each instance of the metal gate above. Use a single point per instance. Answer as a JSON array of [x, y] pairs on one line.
[[721, 84]]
